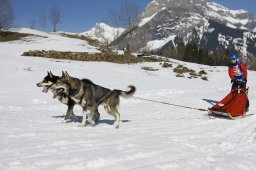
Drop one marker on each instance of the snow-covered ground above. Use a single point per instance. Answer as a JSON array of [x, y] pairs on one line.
[[151, 135]]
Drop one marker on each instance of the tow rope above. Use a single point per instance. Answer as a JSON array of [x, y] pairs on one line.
[[155, 101]]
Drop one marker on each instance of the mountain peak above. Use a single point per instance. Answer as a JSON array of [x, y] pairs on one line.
[[183, 3], [103, 32], [157, 6], [176, 3]]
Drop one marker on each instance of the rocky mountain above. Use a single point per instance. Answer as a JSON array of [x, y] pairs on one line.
[[167, 23], [103, 33]]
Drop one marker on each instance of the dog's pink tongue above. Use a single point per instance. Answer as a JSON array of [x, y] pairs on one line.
[[45, 89]]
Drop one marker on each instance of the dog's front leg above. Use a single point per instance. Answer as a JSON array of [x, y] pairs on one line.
[[96, 116], [83, 123], [92, 112], [69, 113]]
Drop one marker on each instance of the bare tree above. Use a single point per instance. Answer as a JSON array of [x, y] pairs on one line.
[[125, 15], [113, 18], [130, 11], [6, 14], [55, 17], [32, 24], [42, 19]]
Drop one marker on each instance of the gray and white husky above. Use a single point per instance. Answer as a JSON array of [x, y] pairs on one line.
[[90, 96], [47, 83]]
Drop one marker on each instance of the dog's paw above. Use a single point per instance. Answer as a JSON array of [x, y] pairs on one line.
[[116, 124], [63, 122], [81, 125], [92, 122], [92, 125]]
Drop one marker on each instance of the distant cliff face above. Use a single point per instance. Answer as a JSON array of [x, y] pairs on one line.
[[166, 23]]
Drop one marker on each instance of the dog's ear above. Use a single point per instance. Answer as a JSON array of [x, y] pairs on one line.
[[50, 74], [63, 74], [66, 75]]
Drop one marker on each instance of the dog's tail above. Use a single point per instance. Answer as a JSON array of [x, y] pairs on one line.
[[128, 92]]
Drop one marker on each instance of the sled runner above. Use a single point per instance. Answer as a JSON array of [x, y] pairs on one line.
[[232, 106]]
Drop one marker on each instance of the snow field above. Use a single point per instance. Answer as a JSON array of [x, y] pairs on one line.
[[151, 135]]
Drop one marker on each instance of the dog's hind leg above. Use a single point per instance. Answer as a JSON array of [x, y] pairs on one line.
[[111, 106], [116, 115], [112, 110], [107, 108]]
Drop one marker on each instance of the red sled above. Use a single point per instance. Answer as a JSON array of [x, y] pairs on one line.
[[232, 106]]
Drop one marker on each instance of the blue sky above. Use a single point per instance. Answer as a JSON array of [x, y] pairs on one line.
[[81, 15]]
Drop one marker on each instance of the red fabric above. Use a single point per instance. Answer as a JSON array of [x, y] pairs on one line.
[[234, 103], [231, 73], [243, 69]]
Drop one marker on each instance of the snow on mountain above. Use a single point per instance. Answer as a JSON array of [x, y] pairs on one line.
[[233, 18], [210, 9], [218, 7], [156, 44], [208, 24], [151, 135], [145, 20], [103, 32]]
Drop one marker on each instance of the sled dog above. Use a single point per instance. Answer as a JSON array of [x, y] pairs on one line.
[[47, 84], [90, 95]]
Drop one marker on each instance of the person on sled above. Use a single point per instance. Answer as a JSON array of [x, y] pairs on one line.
[[238, 73]]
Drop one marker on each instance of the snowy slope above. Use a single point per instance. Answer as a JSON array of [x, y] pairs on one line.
[[103, 33], [151, 135], [52, 41]]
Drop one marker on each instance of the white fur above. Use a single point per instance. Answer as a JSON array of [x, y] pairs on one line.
[[45, 84], [75, 99], [83, 102]]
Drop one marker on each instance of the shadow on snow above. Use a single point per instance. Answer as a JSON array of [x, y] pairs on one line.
[[101, 121]]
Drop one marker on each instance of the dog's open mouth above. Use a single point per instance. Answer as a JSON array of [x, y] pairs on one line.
[[45, 89], [57, 92]]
